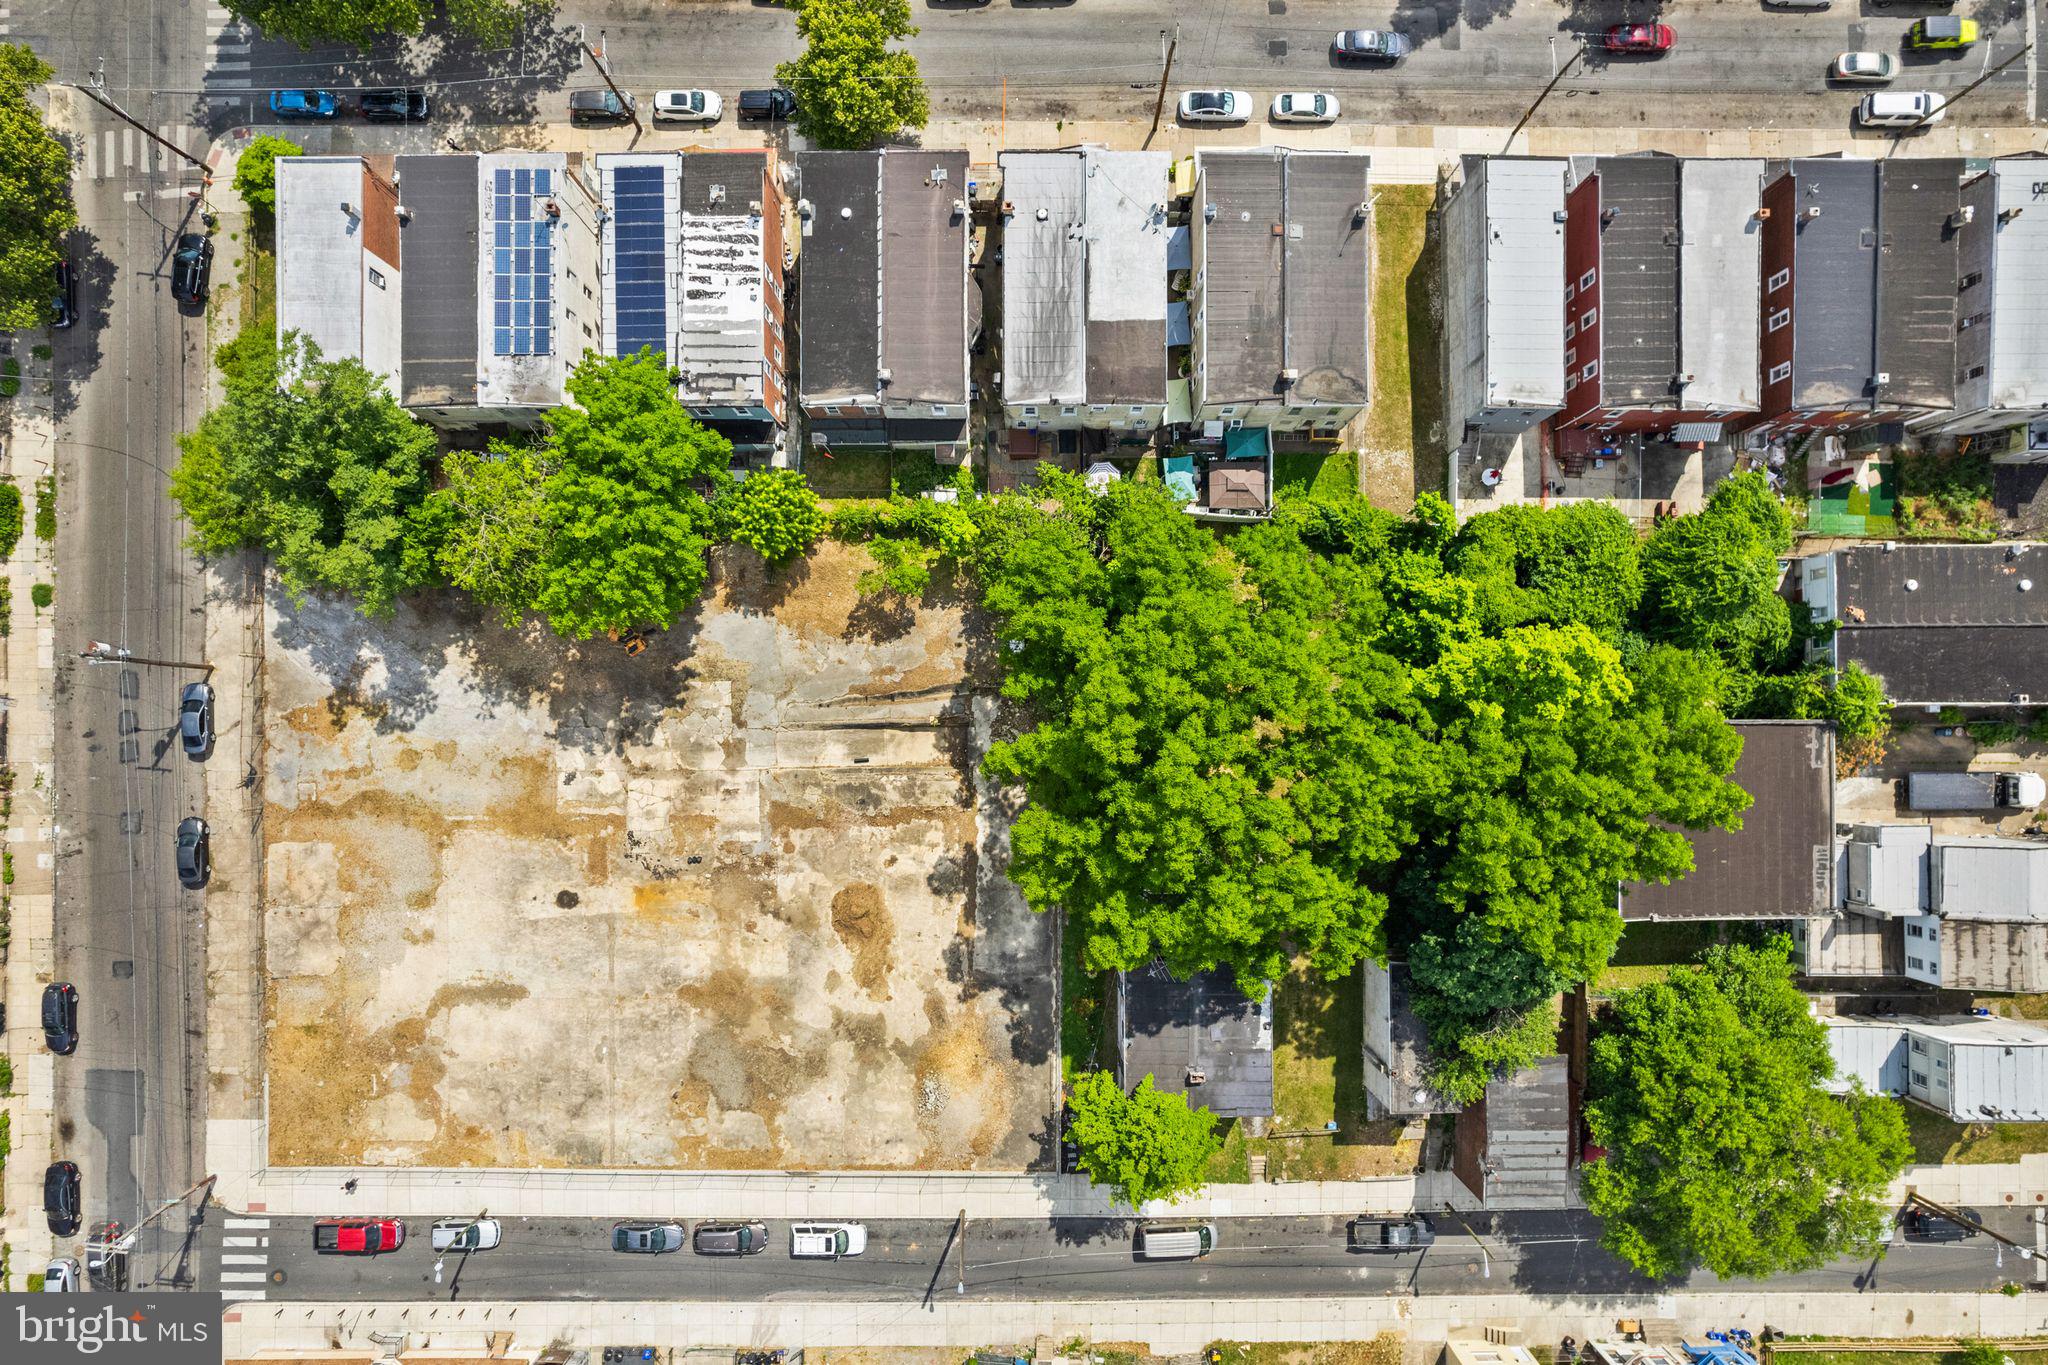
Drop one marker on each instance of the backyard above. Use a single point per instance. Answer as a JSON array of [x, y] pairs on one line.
[[1403, 446], [1940, 1141]]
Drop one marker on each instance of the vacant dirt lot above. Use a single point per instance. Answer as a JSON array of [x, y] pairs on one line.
[[735, 903]]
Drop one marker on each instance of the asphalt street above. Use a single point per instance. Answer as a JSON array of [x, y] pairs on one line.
[[556, 1258], [130, 376]]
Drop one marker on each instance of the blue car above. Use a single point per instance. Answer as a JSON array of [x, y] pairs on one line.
[[304, 104]]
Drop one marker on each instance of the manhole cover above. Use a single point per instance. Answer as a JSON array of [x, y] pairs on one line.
[[277, 1277], [123, 969], [1276, 47]]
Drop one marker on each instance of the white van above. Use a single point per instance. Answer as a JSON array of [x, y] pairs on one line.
[[1176, 1241], [1900, 108]]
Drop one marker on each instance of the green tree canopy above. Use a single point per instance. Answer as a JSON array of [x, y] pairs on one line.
[[627, 524], [256, 173], [364, 22], [1533, 565], [1711, 577], [324, 471], [1724, 1148], [1145, 1145], [851, 90], [35, 195], [485, 530], [773, 510]]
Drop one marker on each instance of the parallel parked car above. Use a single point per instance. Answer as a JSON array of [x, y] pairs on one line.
[[826, 1241], [647, 1237], [1900, 109], [1924, 1225], [1874, 67], [687, 106], [1798, 4], [304, 104], [1372, 45], [61, 1276], [195, 863], [730, 1239], [466, 1234], [599, 106], [394, 105], [1412, 1233], [1645, 39], [192, 268], [60, 1197], [60, 1017], [1215, 106], [1304, 107], [1941, 33], [358, 1236], [773, 102], [64, 305], [195, 719]]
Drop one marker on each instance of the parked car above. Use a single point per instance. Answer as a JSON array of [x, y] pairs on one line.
[[687, 106], [1941, 33], [599, 106], [64, 306], [652, 1238], [1900, 109], [1215, 106], [1371, 45], [194, 853], [466, 1234], [60, 1017], [1391, 1234], [1975, 791], [358, 1236], [192, 268], [395, 105], [730, 1239], [773, 102], [1646, 39], [1797, 4], [61, 1276], [1925, 1225], [826, 1241], [106, 1270], [1176, 1241], [1864, 66], [60, 1197], [304, 104], [1304, 107], [195, 719]]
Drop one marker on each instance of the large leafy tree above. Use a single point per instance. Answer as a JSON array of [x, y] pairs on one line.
[[1724, 1147], [364, 22], [35, 195], [323, 470], [256, 174], [1580, 562], [775, 512], [626, 522], [851, 89], [1145, 1145], [485, 530], [1711, 577]]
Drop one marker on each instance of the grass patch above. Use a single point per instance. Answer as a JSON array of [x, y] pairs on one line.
[[1407, 412], [1939, 1141], [1329, 475], [1945, 496], [854, 472], [10, 377], [1384, 1349], [1649, 949], [46, 508], [1900, 1357], [42, 594]]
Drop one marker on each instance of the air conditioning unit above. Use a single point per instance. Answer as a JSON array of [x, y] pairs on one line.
[[804, 208]]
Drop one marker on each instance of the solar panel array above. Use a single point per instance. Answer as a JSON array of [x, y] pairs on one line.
[[523, 307], [639, 259]]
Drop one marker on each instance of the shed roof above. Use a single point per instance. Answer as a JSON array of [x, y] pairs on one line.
[[924, 275], [2019, 285], [439, 307], [1719, 248], [1834, 282], [1916, 309], [1203, 1024], [1638, 278], [1237, 484], [1780, 864], [839, 299]]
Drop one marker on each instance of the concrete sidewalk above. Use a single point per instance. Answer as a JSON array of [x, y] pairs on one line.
[[521, 1329]]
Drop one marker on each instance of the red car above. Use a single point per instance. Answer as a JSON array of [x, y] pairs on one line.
[[358, 1236], [1640, 38]]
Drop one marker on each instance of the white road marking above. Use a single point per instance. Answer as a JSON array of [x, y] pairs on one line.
[[245, 1241], [245, 1222], [240, 1295], [242, 1277], [245, 1260], [128, 141]]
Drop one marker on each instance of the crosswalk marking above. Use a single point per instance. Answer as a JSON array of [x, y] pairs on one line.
[[242, 1277], [245, 1241], [227, 65], [240, 1295], [245, 1222], [245, 1260], [116, 152]]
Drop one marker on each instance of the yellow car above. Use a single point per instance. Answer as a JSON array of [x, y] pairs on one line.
[[1941, 31]]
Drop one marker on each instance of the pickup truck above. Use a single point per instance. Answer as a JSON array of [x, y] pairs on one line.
[[1974, 791], [358, 1236], [1391, 1234], [827, 1241]]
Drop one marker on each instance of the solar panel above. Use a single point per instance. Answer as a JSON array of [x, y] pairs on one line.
[[522, 263], [639, 259]]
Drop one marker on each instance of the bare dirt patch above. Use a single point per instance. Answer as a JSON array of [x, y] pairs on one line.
[[733, 904]]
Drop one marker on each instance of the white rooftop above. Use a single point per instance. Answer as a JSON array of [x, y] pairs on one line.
[[1524, 288], [2019, 299], [1719, 238], [323, 279], [1045, 256], [1991, 879]]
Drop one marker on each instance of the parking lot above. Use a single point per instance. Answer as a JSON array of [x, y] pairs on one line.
[[724, 905]]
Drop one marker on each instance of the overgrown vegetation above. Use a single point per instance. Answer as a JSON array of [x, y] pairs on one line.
[[491, 23], [256, 179], [10, 517], [1946, 496], [46, 508]]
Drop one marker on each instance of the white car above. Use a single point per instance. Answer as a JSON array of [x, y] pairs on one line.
[[467, 1234], [826, 1241], [61, 1276], [1900, 109], [687, 106], [1215, 106], [1302, 106], [1864, 66]]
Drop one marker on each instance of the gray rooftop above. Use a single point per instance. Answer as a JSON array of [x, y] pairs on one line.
[[1524, 296], [439, 303], [2019, 307], [1045, 257], [1203, 1024], [1243, 311], [1720, 239], [1834, 282], [1942, 585], [1126, 195], [1638, 278], [1397, 1056], [1935, 665], [839, 292], [1990, 879], [721, 337], [1916, 308], [924, 275]]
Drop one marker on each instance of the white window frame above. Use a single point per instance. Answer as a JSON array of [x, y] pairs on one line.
[[1571, 329], [1592, 369], [1588, 318], [1779, 280], [1069, 410], [1779, 372], [1587, 280], [1780, 320]]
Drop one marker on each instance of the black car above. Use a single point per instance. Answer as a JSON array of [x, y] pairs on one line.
[[60, 1197], [599, 106], [191, 268], [1924, 1225], [1412, 1233], [64, 307], [193, 861], [60, 1017], [408, 105], [195, 720], [775, 102], [730, 1239]]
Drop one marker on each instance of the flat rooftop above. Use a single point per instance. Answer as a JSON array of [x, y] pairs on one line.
[[440, 302], [1638, 278], [1205, 1025]]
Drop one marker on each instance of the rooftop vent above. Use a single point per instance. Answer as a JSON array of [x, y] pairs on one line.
[[937, 177], [2026, 585], [1963, 216], [846, 213], [1812, 211], [2007, 215], [1559, 216], [717, 194], [1912, 585], [1606, 217], [1042, 214], [884, 377], [1197, 1076]]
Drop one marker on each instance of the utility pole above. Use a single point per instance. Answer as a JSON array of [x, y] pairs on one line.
[[960, 1245], [1165, 71], [1933, 114], [604, 69], [97, 92], [1544, 94], [2026, 1253], [124, 1243], [100, 652]]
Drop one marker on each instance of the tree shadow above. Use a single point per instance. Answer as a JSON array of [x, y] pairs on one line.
[[1423, 22], [1430, 471]]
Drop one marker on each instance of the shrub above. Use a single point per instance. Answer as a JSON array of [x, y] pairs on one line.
[[42, 594], [1992, 734], [10, 517], [46, 507]]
